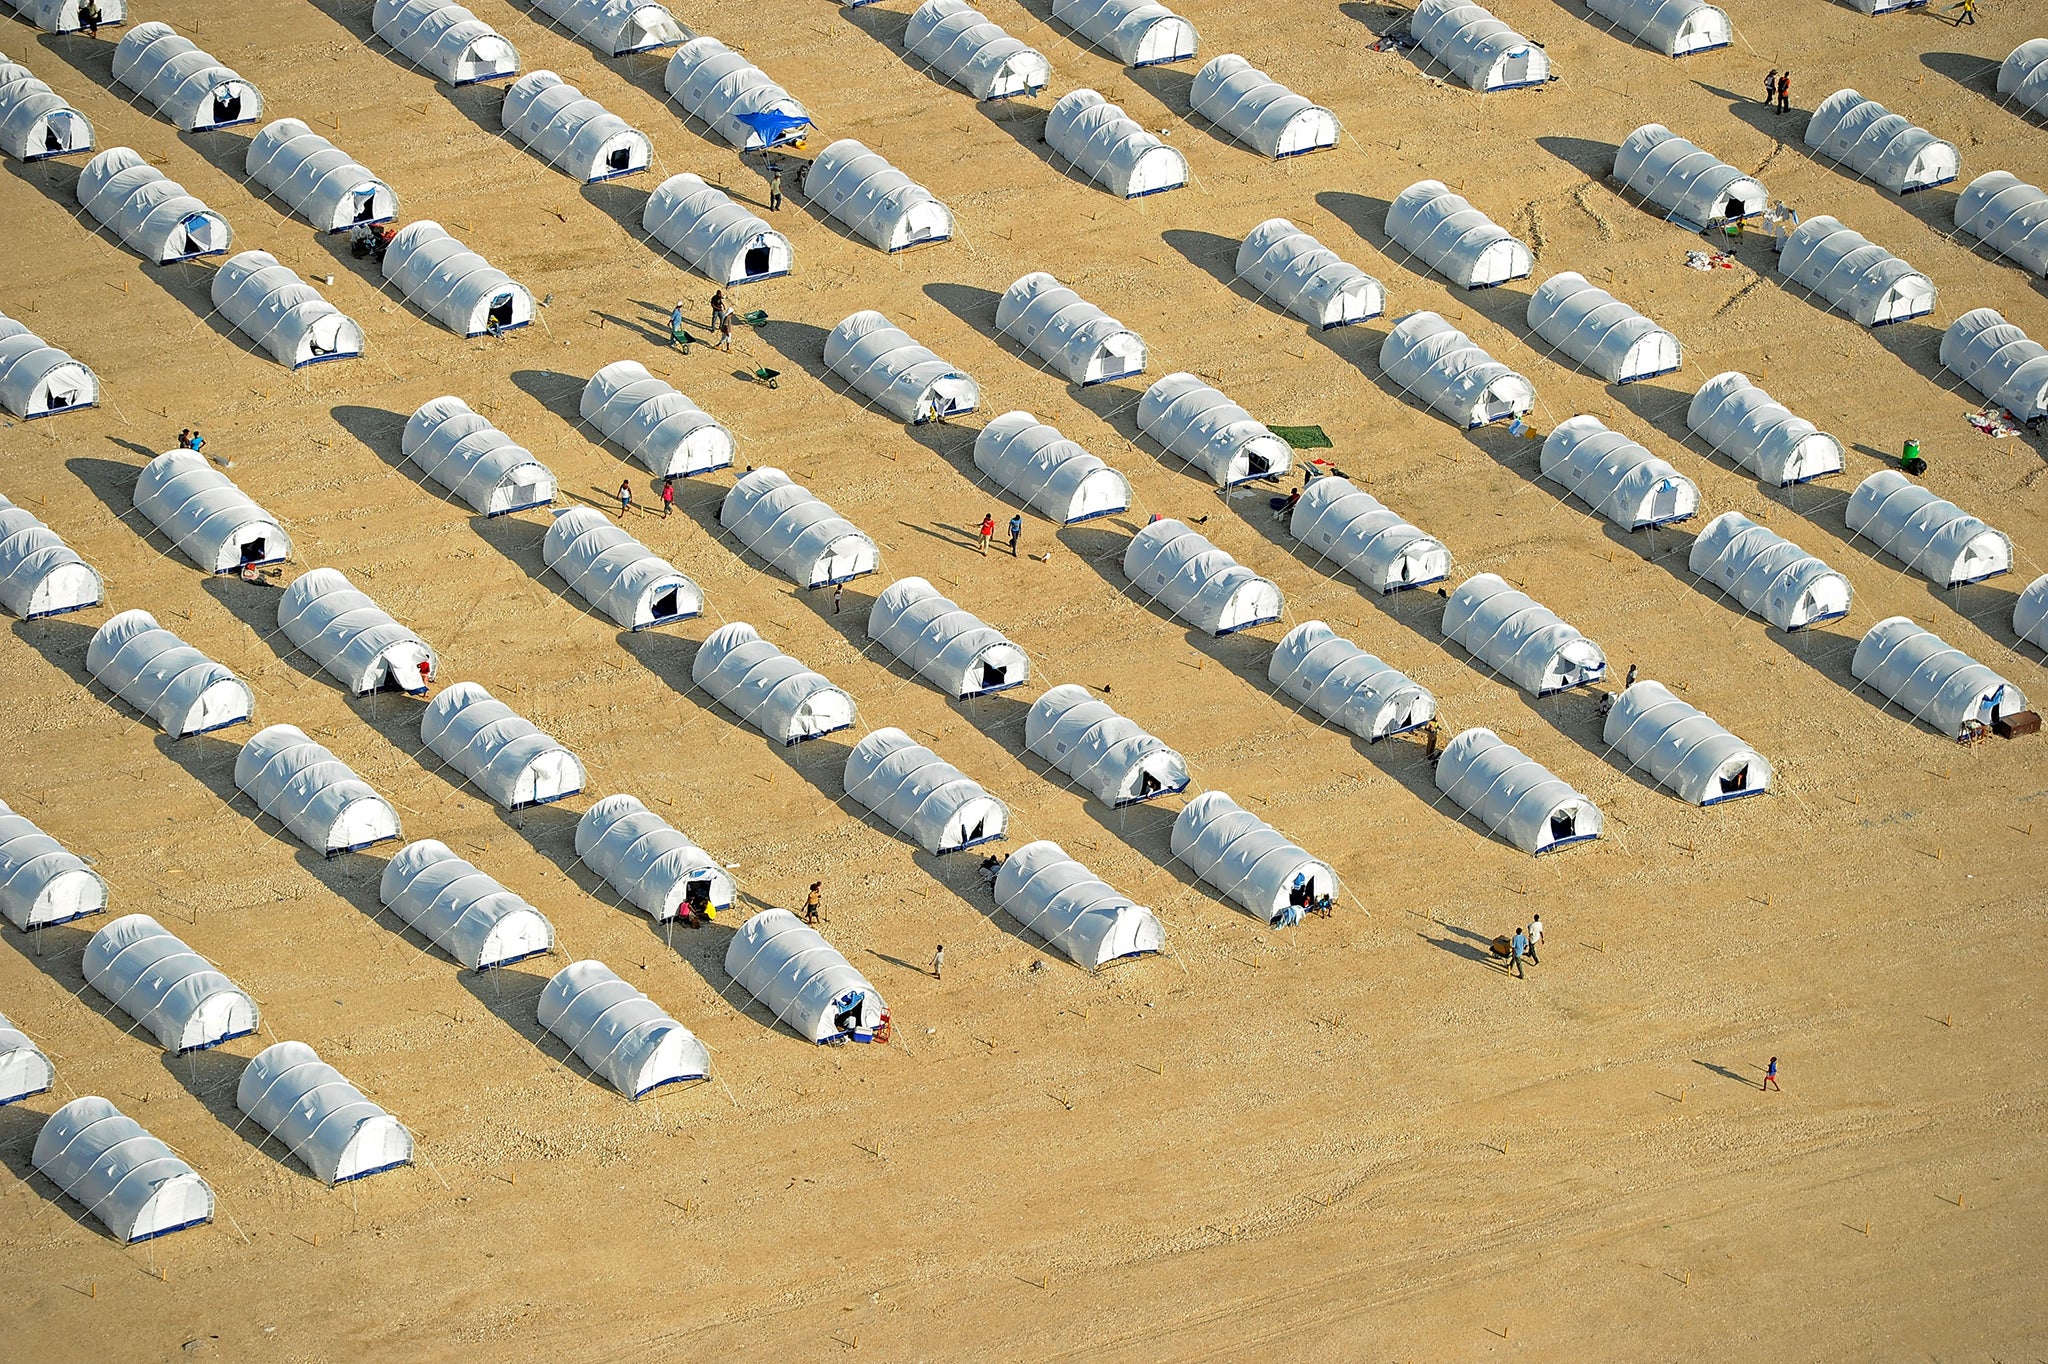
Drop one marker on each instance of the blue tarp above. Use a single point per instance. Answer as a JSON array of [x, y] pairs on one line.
[[775, 126]]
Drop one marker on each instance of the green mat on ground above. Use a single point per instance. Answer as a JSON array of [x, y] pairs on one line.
[[1302, 437]]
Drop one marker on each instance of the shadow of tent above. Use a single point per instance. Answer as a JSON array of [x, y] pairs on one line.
[[1596, 159], [61, 641], [1379, 19], [668, 657], [113, 483], [519, 541], [227, 151], [1117, 407], [801, 344], [1967, 69], [93, 60], [1211, 252], [1147, 830], [379, 431], [975, 307], [58, 951], [511, 994], [1366, 217], [20, 1124], [886, 27], [1658, 404], [559, 393], [953, 441], [212, 1077], [256, 607], [1575, 715], [1172, 87]]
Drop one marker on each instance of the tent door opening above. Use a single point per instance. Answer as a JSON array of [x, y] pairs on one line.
[[529, 495], [366, 205], [1495, 409], [1515, 70], [51, 141], [993, 677], [665, 605], [500, 314], [755, 263], [619, 159], [1738, 780], [1149, 785], [1563, 826], [1733, 209], [253, 551], [1256, 465], [1664, 502], [61, 399], [697, 896], [227, 105]]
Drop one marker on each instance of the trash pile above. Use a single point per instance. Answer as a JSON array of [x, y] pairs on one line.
[[1993, 422]]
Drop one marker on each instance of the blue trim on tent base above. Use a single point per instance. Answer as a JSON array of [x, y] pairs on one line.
[[68, 918], [806, 738], [195, 1222], [209, 1046], [333, 853], [1653, 374], [523, 506], [663, 1084], [1982, 577], [62, 610], [1818, 620], [1600, 676], [1148, 193], [28, 1095], [253, 563], [1096, 516], [972, 843], [990, 691], [834, 582], [507, 961], [1888, 321], [1496, 283], [755, 279], [1419, 582], [614, 175], [59, 411], [1351, 321], [365, 1174], [196, 255], [499, 329], [1151, 795], [1727, 796], [921, 241], [546, 800], [1663, 521], [1304, 151], [1931, 184], [211, 729], [667, 620], [1248, 625], [361, 222], [332, 355], [1565, 843], [1405, 729], [1695, 51]]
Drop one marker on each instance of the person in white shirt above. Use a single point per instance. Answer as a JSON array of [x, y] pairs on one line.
[[1535, 937]]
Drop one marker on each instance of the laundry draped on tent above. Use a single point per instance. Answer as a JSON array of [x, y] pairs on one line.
[[804, 981], [626, 1039], [792, 528], [24, 1070], [148, 210], [723, 89], [1294, 271], [1528, 644], [1134, 32], [1247, 860], [314, 794], [721, 240], [875, 201], [574, 134], [1684, 180], [211, 521], [1169, 563], [1346, 685], [104, 1161], [1930, 535], [616, 27], [1111, 756], [1071, 908], [654, 865], [1879, 145], [1449, 373], [35, 121], [615, 573], [1676, 28], [2000, 361], [1345, 525], [354, 640], [1853, 275], [316, 179], [1193, 420], [320, 1117], [166, 987], [461, 910], [452, 284], [1682, 747], [973, 52], [41, 882], [953, 649], [1768, 574], [1479, 50], [2009, 216], [1111, 148], [1051, 474], [1259, 111], [444, 40], [465, 453], [920, 795], [193, 90], [1082, 343], [881, 362], [670, 435], [1455, 239], [501, 752], [1931, 680], [767, 688], [40, 575], [174, 684], [1616, 477], [1513, 795], [1740, 420], [1581, 320], [272, 306]]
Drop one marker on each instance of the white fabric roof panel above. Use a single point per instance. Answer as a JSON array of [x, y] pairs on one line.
[[312, 793], [166, 987], [1743, 422], [767, 688], [1933, 537], [2023, 75], [24, 1070], [803, 980], [61, 16], [626, 1039], [721, 240], [1676, 28], [194, 91], [792, 528], [1196, 422], [40, 575], [355, 641], [1616, 477], [452, 284], [445, 40], [1346, 685], [1528, 644], [1600, 332], [1879, 145], [670, 435], [920, 795], [1346, 525], [1931, 680], [134, 1184], [1684, 180], [615, 573], [1169, 563], [1513, 795], [1479, 50], [1111, 756], [148, 210], [650, 862], [1298, 273], [1998, 360], [1683, 747], [1078, 340], [973, 52], [461, 910], [463, 452], [1455, 239], [1110, 147], [503, 754], [39, 380], [211, 521], [1259, 111], [2030, 613], [952, 649], [320, 1117], [316, 179], [35, 121], [1768, 574], [616, 27], [875, 201], [881, 362], [1853, 275], [41, 882], [1071, 908], [1052, 474], [1885, 6], [269, 303], [2009, 216], [1134, 32], [576, 135], [1449, 372], [718, 85], [1246, 859], [181, 689]]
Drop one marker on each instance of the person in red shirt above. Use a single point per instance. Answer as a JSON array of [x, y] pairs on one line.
[[668, 497], [988, 531]]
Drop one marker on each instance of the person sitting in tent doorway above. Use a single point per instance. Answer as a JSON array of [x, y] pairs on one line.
[[90, 18]]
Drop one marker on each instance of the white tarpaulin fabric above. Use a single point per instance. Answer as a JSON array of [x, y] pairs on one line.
[[1930, 679], [40, 575], [312, 793], [316, 179], [1616, 477], [1082, 343], [718, 86], [1513, 795], [2009, 216], [766, 688], [1600, 332], [2030, 613], [1768, 574], [1854, 276], [134, 1184], [1196, 422], [617, 574], [444, 40], [1479, 50], [1743, 422], [972, 51], [1298, 273], [1346, 685], [920, 795], [1449, 373], [1259, 111], [459, 909], [272, 306], [1349, 527], [1879, 145], [24, 1070], [1684, 180], [2000, 361], [35, 121], [452, 284], [953, 649], [354, 640], [574, 134], [1247, 860], [1108, 146], [61, 16], [721, 240], [1933, 537], [803, 980], [1169, 563], [1071, 908], [211, 521], [193, 91], [41, 883], [1683, 747], [165, 678], [1526, 643], [626, 1039], [501, 752], [671, 436], [1134, 32], [148, 210], [37, 379], [165, 986], [616, 27], [465, 453], [650, 862], [1676, 28], [792, 528], [876, 202], [2023, 76], [1111, 756], [320, 1117], [1455, 239], [1053, 475], [881, 362]]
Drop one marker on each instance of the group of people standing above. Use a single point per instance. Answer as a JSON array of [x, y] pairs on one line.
[[1778, 88], [987, 532], [1523, 944]]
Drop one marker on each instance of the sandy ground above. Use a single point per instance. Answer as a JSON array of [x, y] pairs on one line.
[[1357, 1140]]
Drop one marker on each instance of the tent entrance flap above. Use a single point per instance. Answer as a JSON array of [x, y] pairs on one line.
[[994, 677], [665, 607], [500, 314], [366, 206], [755, 263], [255, 550], [227, 105]]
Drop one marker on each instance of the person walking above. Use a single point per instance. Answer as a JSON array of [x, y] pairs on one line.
[[1016, 534], [1631, 680], [775, 189], [987, 531], [1433, 741], [625, 498], [676, 335], [185, 439], [838, 591], [717, 306], [725, 332], [198, 441], [814, 904], [1784, 90], [1968, 15], [1535, 932], [1771, 1075], [1518, 947], [939, 962], [1771, 87]]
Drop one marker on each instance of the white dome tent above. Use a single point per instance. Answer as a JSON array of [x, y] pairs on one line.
[[920, 795], [1198, 583], [320, 1117], [880, 361], [1616, 477], [272, 306], [148, 210], [2030, 613], [39, 380], [1455, 239], [1880, 146], [444, 40], [1600, 332], [875, 201], [1683, 747], [1294, 270], [465, 453], [1259, 111], [1931, 680], [1111, 756], [721, 241], [1998, 360], [1933, 537], [1513, 795], [2023, 76], [1108, 146], [953, 649], [1435, 362], [1346, 685], [1768, 574], [1741, 421], [1134, 32], [1853, 275], [502, 753], [40, 575], [794, 530], [1685, 181], [1526, 643], [459, 909], [40, 882], [452, 284], [181, 689], [211, 521], [355, 641], [1194, 421], [651, 863], [1079, 914], [194, 91], [165, 986], [1051, 474], [671, 436], [768, 689], [616, 28], [35, 121], [2009, 216], [577, 136], [316, 179], [61, 16], [1479, 50], [1874, 7], [1081, 343], [1249, 861], [1345, 524], [804, 981], [616, 574], [973, 52], [723, 89], [1676, 28], [103, 1160], [312, 793], [24, 1070], [625, 1038]]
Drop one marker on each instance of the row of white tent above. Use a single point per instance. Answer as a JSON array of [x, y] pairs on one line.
[[35, 121], [2023, 76], [40, 575], [187, 85]]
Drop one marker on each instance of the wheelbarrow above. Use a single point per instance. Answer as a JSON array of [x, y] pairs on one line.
[[679, 337], [765, 375], [755, 318]]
